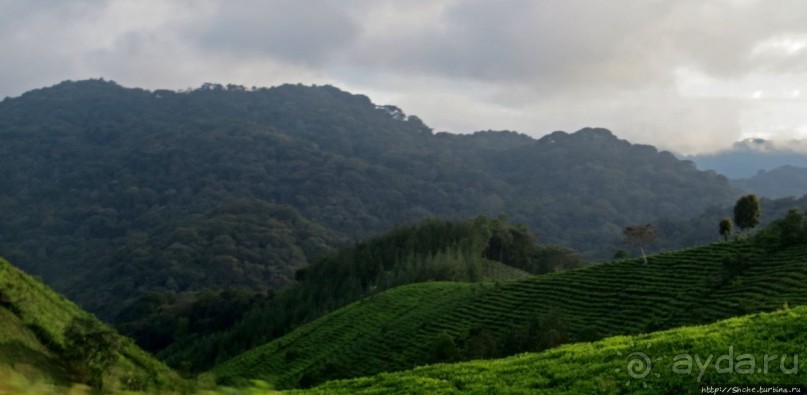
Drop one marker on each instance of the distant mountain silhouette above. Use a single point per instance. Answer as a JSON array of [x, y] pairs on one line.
[[747, 157], [780, 182]]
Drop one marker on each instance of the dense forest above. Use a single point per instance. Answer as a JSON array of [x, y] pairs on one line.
[[100, 180]]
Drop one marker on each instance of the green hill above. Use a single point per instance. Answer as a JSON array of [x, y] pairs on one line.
[[436, 322], [45, 337], [480, 249], [738, 349]]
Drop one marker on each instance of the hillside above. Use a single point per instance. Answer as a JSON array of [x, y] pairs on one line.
[[95, 172], [783, 181], [477, 250], [45, 337], [618, 365], [678, 233], [245, 244], [434, 322]]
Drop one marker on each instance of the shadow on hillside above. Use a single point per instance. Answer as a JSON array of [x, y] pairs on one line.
[[31, 363]]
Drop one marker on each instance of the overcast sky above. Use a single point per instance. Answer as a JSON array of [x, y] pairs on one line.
[[686, 75]]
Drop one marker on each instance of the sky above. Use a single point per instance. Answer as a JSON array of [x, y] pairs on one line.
[[690, 76]]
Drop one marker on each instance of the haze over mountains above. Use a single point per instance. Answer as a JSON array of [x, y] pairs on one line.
[[774, 169], [746, 158]]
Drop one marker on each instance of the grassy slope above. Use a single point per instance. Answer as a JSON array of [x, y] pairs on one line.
[[602, 367], [33, 315], [22, 352], [396, 330]]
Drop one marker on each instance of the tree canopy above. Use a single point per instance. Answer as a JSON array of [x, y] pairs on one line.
[[747, 212]]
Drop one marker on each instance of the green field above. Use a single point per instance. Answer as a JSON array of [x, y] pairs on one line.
[[33, 322], [399, 329], [738, 349]]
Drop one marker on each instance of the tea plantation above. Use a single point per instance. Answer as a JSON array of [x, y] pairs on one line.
[[444, 322]]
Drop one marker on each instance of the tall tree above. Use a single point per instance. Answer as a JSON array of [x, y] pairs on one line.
[[640, 236], [726, 226], [747, 212]]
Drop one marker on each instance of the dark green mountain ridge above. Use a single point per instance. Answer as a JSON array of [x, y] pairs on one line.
[[93, 170]]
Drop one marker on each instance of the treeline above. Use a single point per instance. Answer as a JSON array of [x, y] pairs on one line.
[[435, 250], [785, 232], [704, 228]]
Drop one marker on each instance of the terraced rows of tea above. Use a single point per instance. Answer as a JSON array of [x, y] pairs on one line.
[[289, 358], [398, 329], [602, 367]]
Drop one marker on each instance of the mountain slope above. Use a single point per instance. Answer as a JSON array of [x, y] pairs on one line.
[[693, 286], [37, 340], [780, 182], [618, 364], [244, 244], [91, 168]]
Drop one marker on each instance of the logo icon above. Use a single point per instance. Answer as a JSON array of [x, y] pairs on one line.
[[639, 364]]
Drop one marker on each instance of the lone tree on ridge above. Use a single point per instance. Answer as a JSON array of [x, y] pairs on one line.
[[747, 212]]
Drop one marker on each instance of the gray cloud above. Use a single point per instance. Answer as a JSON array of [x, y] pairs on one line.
[[289, 30], [511, 41], [688, 75]]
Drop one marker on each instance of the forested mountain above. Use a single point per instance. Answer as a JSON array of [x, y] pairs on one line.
[[780, 182], [126, 190], [250, 245]]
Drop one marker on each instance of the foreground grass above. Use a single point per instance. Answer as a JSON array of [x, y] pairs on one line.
[[397, 329]]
